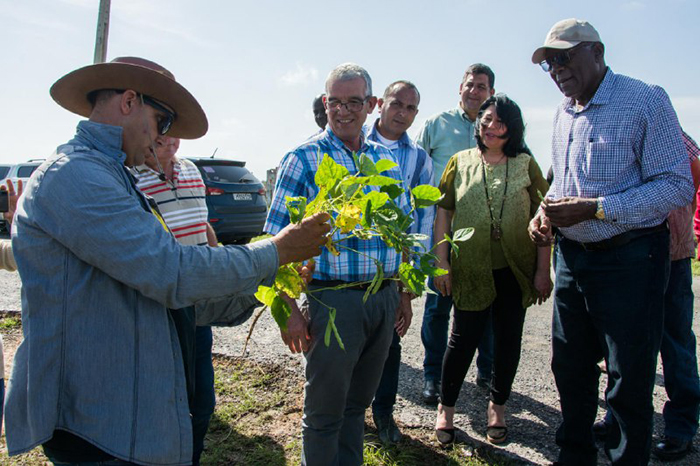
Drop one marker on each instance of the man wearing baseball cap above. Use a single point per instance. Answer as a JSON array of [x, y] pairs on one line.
[[619, 168], [99, 376]]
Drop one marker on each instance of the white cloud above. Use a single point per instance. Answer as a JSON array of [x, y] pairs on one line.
[[633, 6], [300, 75]]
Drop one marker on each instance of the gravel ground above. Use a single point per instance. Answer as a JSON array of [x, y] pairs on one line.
[[533, 410]]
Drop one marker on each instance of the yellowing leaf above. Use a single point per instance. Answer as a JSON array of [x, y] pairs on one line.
[[289, 281], [348, 218], [265, 295], [331, 248]]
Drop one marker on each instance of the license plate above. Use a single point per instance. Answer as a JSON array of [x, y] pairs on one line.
[[242, 197]]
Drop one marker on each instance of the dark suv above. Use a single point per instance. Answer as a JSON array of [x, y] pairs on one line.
[[235, 199]]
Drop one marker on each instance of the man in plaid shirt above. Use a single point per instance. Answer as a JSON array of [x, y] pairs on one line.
[[340, 384], [619, 168]]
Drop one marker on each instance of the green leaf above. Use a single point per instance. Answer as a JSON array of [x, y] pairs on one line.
[[317, 205], [417, 239], [366, 220], [378, 199], [381, 180], [296, 207], [289, 281], [385, 164], [463, 234], [376, 281], [349, 188], [363, 234], [265, 295], [426, 195], [367, 167], [329, 329], [335, 329], [329, 173], [281, 311], [412, 278], [455, 247], [392, 190]]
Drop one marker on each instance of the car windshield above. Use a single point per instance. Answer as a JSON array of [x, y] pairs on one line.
[[3, 171], [26, 171], [227, 174]]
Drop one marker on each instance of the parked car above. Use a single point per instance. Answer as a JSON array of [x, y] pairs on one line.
[[22, 171], [4, 171], [235, 199]]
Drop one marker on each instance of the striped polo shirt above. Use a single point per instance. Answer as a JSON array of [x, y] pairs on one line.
[[181, 202]]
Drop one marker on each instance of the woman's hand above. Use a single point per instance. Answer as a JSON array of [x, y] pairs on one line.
[[543, 285], [443, 283]]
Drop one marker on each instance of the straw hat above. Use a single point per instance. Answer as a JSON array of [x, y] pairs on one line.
[[141, 75]]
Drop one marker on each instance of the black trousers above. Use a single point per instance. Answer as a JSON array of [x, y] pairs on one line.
[[508, 316]]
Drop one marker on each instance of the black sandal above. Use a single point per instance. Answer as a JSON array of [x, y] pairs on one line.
[[445, 436], [496, 434]]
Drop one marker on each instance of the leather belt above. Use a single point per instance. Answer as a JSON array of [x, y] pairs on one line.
[[621, 239]]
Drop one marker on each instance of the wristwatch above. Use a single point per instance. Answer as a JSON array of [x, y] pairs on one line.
[[599, 212]]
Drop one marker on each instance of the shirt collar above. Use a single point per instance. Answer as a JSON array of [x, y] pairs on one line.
[[374, 130], [107, 139], [340, 145], [602, 94]]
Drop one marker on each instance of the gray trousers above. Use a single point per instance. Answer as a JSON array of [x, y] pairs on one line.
[[340, 384]]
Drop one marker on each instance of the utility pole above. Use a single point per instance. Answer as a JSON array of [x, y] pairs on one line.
[[102, 32]]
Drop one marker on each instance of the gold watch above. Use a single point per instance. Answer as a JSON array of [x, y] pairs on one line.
[[599, 212]]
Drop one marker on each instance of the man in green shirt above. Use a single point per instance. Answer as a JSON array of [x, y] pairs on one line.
[[442, 136]]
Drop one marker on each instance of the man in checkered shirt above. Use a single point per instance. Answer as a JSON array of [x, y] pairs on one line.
[[340, 384], [619, 168]]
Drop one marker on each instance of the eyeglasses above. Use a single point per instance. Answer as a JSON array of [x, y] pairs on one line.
[[562, 58], [350, 106], [166, 120]]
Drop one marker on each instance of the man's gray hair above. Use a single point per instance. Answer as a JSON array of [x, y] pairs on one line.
[[346, 72]]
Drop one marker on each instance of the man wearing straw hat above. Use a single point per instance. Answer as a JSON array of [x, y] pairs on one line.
[[99, 376]]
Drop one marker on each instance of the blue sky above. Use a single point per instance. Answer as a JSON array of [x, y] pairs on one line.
[[256, 66]]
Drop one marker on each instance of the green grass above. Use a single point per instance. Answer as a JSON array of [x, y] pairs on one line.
[[10, 322], [257, 422], [695, 266]]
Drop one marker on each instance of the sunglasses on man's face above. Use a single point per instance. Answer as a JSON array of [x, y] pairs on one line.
[[166, 120], [562, 58]]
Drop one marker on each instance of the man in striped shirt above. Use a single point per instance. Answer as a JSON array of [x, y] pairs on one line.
[[178, 189], [397, 109]]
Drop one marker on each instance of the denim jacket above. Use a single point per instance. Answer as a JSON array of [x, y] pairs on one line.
[[100, 356]]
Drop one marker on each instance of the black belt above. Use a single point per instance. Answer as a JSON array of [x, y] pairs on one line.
[[334, 283], [621, 239]]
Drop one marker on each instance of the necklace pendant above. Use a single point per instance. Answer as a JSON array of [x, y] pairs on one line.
[[496, 232]]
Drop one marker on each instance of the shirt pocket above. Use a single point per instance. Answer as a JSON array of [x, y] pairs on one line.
[[604, 160]]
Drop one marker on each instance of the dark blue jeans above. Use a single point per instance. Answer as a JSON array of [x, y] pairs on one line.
[[433, 334], [678, 355], [608, 303], [204, 395], [385, 397]]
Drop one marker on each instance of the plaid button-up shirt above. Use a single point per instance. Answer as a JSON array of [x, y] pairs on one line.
[[295, 177], [625, 147], [417, 169]]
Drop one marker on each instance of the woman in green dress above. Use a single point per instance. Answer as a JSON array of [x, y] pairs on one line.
[[492, 188]]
